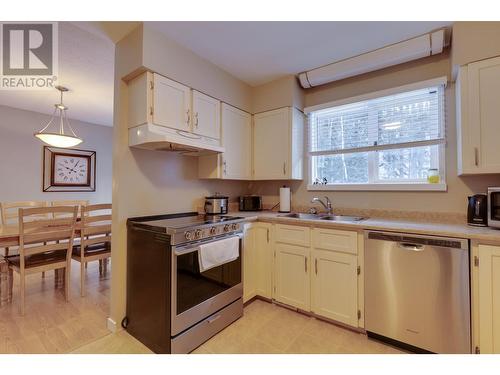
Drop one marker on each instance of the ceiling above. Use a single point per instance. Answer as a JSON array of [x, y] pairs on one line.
[[259, 52], [86, 67], [255, 52]]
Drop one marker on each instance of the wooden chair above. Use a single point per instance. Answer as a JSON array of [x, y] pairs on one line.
[[9, 212], [43, 245], [78, 203], [95, 239]]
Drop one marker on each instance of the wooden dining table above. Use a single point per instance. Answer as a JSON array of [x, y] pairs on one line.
[[9, 237]]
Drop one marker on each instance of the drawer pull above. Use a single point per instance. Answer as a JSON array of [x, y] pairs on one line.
[[211, 320], [316, 266], [305, 264]]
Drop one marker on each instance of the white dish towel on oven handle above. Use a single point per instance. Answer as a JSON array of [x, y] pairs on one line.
[[219, 252]]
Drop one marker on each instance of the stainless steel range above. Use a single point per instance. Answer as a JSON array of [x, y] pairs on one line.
[[172, 305]]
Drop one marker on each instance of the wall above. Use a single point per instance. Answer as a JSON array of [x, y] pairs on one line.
[[283, 92], [21, 154], [454, 200], [152, 182]]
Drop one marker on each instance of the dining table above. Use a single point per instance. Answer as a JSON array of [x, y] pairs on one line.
[[9, 237]]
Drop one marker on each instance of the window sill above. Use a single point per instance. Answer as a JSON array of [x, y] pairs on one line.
[[379, 187]]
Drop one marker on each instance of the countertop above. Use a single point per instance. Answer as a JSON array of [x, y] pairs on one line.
[[406, 226]]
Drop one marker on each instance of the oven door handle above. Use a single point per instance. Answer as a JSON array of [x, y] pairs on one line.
[[192, 248]]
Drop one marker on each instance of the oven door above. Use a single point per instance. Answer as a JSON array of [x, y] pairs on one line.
[[494, 207], [195, 294]]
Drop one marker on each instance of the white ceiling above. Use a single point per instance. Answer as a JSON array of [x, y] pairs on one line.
[[259, 52], [255, 52], [86, 66]]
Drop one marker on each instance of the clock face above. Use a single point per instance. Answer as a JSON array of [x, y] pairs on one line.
[[71, 170]]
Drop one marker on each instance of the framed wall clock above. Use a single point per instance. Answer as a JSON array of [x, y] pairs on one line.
[[68, 169]]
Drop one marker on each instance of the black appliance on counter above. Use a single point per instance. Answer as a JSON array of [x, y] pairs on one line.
[[250, 203], [477, 210], [173, 307]]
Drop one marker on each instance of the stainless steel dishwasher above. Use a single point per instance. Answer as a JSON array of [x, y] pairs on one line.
[[417, 291]]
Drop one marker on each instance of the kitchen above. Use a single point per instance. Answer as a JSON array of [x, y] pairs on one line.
[[341, 200]]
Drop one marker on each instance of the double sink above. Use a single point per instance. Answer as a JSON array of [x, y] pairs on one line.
[[322, 217]]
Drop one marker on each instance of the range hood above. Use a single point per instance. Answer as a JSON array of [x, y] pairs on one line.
[[154, 137]]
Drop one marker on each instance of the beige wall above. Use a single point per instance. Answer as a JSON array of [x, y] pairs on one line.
[[473, 41], [283, 92], [454, 200], [21, 156], [152, 182]]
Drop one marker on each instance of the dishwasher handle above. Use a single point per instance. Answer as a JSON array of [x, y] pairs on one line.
[[410, 246]]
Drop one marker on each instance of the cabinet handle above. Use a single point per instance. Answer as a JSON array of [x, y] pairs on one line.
[[476, 156], [305, 264], [316, 266], [225, 167], [188, 117], [196, 119], [284, 168], [267, 235]]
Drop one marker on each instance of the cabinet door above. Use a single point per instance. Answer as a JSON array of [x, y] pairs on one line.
[[489, 299], [334, 286], [292, 275], [237, 142], [249, 263], [271, 150], [206, 115], [481, 129], [171, 103], [263, 260]]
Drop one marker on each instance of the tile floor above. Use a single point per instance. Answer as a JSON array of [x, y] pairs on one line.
[[266, 328]]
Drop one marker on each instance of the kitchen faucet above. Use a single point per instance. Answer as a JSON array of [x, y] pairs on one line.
[[328, 205]]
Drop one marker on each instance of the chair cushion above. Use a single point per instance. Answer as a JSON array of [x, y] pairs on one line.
[[38, 259], [94, 249]]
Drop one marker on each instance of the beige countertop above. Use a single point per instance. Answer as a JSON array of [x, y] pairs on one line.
[[406, 226]]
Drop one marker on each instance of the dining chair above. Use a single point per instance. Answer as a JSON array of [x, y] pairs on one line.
[[9, 212], [95, 238], [78, 203], [43, 245]]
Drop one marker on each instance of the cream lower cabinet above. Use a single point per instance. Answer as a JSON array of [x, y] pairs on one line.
[[486, 298], [334, 286], [257, 261], [292, 270]]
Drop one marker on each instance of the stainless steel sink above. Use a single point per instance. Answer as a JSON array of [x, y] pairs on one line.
[[322, 217], [342, 218], [301, 216]]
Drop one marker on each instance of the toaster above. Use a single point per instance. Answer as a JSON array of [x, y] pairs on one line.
[[251, 203]]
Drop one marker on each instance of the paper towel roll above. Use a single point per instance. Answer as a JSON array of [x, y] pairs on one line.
[[284, 199]]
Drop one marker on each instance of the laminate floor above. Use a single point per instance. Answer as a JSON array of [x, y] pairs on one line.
[[50, 324]]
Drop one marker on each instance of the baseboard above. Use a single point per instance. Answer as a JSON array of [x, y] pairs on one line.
[[111, 324]]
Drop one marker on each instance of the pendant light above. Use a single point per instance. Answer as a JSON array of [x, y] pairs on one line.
[[58, 138]]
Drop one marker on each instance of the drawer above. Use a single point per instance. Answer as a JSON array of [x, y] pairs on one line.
[[343, 241], [293, 234]]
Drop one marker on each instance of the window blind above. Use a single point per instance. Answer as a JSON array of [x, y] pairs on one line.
[[409, 119]]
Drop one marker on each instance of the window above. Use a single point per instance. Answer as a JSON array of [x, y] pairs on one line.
[[388, 141]]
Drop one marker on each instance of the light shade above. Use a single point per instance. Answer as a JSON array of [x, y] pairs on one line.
[[58, 140]]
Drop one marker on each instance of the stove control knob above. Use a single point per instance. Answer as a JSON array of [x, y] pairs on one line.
[[197, 233], [226, 228], [213, 231], [188, 235], [234, 226]]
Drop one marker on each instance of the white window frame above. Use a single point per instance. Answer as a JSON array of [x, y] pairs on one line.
[[406, 185]]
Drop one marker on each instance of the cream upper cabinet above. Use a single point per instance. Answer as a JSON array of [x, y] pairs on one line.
[[236, 161], [477, 92], [278, 144], [257, 261], [292, 275], [171, 104], [205, 115], [334, 286], [488, 299]]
